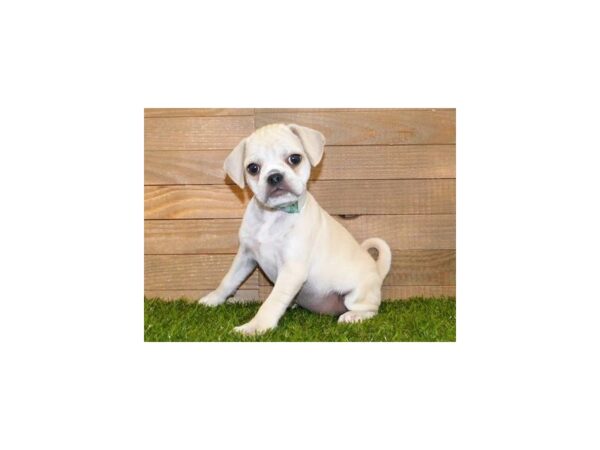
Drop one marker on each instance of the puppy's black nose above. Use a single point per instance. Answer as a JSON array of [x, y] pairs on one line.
[[274, 179]]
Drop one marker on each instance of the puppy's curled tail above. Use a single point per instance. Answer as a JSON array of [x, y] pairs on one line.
[[384, 260]]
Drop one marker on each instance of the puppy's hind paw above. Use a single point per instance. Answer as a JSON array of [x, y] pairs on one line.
[[355, 316]]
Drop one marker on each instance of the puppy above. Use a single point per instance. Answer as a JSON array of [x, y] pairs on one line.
[[309, 256]]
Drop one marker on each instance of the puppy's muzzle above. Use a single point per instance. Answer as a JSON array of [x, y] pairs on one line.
[[277, 185], [275, 178]]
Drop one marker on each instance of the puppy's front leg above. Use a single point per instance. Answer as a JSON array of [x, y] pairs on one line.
[[243, 264], [290, 279]]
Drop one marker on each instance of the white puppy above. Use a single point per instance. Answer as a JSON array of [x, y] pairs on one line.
[[312, 259]]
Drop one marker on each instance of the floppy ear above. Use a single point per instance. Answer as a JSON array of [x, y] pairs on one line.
[[312, 141], [234, 164]]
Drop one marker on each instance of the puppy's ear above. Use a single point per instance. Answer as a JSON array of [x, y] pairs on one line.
[[312, 141], [234, 164]]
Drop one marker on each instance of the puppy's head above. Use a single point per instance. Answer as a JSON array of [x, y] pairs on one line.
[[275, 162]]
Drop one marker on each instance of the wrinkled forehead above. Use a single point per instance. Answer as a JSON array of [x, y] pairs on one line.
[[272, 141]]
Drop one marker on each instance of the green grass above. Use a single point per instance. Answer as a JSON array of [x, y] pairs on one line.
[[417, 319]]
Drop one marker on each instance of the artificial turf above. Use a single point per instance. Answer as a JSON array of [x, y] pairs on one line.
[[417, 319]]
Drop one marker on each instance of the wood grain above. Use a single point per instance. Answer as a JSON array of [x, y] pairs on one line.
[[394, 168], [197, 112], [422, 267], [386, 162], [405, 232], [193, 295], [195, 133], [191, 202], [436, 196], [174, 272], [415, 268], [198, 236], [391, 292], [305, 110], [385, 196], [386, 127], [339, 163], [406, 292], [191, 236], [205, 272], [185, 167], [243, 296]]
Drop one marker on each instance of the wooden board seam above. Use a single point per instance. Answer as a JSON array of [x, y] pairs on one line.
[[445, 144], [196, 115], [385, 285], [309, 181], [335, 215], [233, 253]]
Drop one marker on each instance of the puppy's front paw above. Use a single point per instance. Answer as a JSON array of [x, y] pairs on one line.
[[355, 316], [212, 299], [252, 328]]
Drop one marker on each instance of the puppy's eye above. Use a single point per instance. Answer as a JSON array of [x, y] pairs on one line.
[[253, 168], [295, 159]]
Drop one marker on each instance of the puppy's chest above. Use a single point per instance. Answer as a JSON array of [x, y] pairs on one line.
[[267, 240]]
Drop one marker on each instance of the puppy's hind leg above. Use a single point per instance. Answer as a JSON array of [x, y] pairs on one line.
[[363, 302]]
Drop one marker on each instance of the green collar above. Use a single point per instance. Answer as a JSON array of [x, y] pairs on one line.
[[290, 209]]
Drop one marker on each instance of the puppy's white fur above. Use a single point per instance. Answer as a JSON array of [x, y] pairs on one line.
[[310, 257]]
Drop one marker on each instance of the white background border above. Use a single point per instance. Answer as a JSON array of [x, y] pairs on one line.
[[76, 373]]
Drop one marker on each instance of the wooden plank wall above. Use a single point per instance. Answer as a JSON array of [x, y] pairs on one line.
[[388, 173]]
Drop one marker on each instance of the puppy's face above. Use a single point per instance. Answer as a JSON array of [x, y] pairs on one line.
[[275, 162]]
